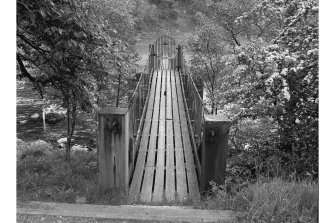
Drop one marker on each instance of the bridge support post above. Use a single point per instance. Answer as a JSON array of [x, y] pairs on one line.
[[180, 58], [200, 88], [214, 150], [151, 57], [113, 145]]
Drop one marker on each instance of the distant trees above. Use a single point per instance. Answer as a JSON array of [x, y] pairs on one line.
[[209, 60], [73, 47], [268, 78], [145, 14]]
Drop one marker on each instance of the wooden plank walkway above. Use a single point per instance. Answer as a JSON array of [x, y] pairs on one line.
[[165, 169]]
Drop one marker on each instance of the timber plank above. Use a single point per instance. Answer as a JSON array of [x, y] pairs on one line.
[[151, 102], [160, 164], [170, 175], [181, 174], [147, 186], [163, 98], [179, 153], [138, 172], [192, 179], [173, 86], [190, 167], [168, 97], [175, 109], [165, 131]]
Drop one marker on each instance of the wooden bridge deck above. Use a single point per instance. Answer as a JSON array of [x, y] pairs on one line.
[[165, 168]]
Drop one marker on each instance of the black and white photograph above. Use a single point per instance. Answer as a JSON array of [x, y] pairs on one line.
[[167, 111]]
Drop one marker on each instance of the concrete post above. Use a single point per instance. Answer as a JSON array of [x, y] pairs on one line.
[[214, 150]]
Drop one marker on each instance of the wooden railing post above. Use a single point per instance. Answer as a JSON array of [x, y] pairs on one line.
[[151, 57], [200, 88], [180, 58], [214, 150], [113, 145]]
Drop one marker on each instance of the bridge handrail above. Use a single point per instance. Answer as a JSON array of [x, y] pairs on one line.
[[137, 109], [209, 133], [145, 70], [193, 102]]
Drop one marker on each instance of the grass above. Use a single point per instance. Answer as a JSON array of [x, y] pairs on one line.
[[43, 175], [271, 200]]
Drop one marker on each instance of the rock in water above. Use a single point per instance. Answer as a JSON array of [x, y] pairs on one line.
[[35, 116], [77, 147], [54, 108], [61, 140], [23, 122]]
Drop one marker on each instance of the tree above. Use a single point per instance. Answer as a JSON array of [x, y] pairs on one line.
[[281, 82], [70, 46], [272, 78], [145, 14], [209, 59], [225, 14]]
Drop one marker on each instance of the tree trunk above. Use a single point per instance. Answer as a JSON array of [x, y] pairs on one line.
[[43, 115], [68, 145], [118, 89], [213, 107], [71, 123]]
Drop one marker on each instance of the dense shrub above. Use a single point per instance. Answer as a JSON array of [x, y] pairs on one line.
[[265, 78], [34, 149]]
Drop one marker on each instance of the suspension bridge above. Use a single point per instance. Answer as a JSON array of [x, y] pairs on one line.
[[163, 147]]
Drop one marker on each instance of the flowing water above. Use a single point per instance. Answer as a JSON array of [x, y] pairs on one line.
[[31, 129]]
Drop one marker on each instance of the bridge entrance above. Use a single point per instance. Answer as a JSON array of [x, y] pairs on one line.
[[152, 147], [165, 168]]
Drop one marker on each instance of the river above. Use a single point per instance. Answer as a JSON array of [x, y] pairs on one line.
[[31, 129]]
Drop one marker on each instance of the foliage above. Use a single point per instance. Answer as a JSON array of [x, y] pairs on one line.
[[270, 201], [209, 59], [282, 79], [225, 14], [146, 15], [76, 48], [268, 83]]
